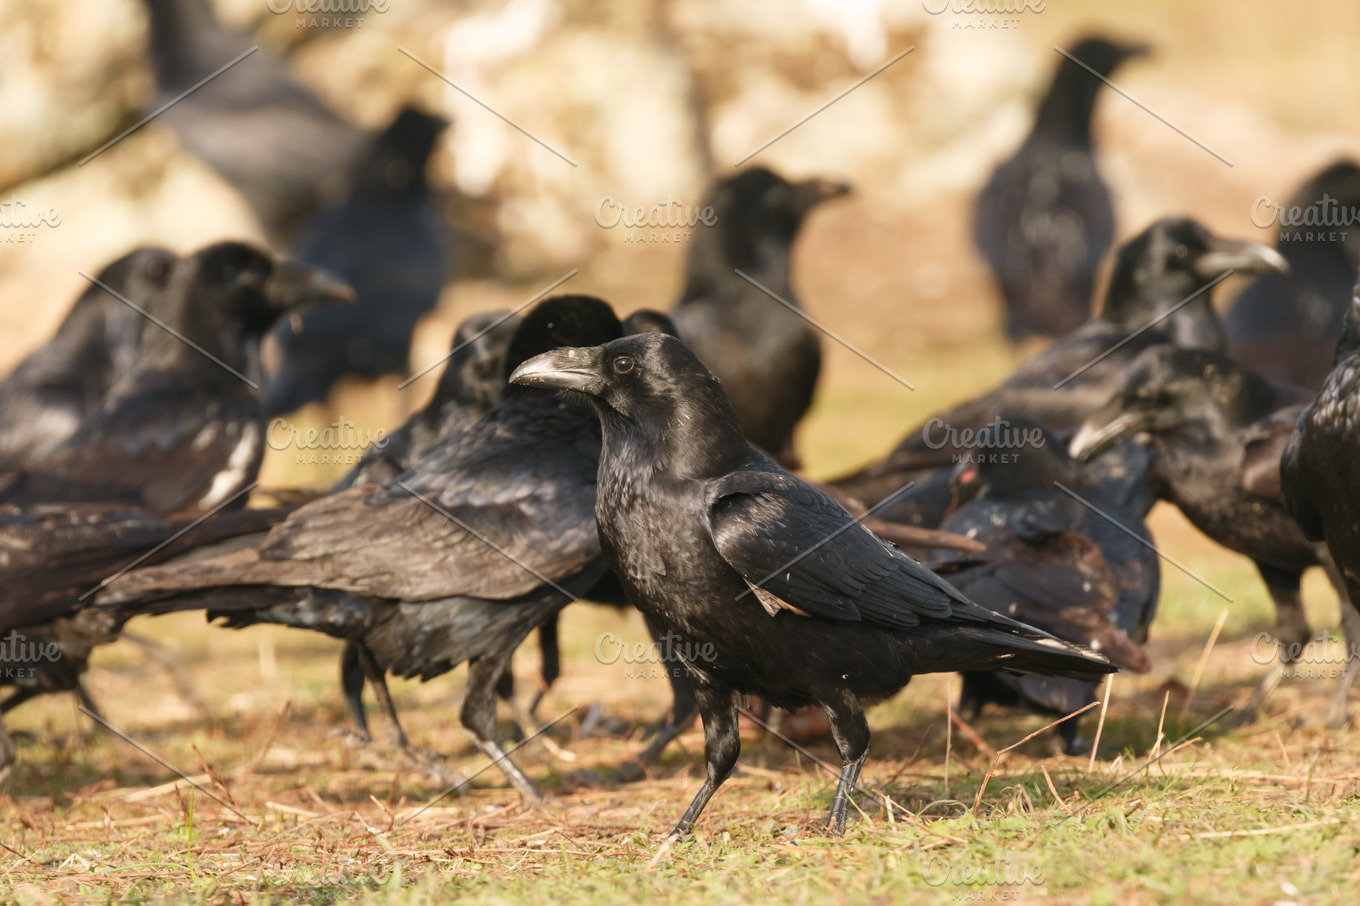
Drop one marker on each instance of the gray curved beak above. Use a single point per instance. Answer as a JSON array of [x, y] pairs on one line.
[[568, 368], [1094, 438], [1242, 257], [292, 285]]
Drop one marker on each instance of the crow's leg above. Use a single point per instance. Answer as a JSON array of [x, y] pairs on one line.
[[18, 698], [722, 745], [551, 654], [7, 753], [684, 706], [1292, 632], [352, 681], [83, 698], [851, 732], [1335, 715], [479, 719]]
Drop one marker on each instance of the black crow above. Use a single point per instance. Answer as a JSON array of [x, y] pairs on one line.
[[267, 135], [46, 397], [386, 240], [770, 586], [1285, 325], [184, 430], [481, 540], [1318, 476], [1044, 220], [1066, 552], [1219, 430], [767, 355], [52, 559], [471, 384], [1159, 293]]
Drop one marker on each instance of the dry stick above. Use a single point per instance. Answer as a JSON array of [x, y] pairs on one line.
[[212, 775], [1161, 722], [269, 742], [37, 865], [948, 735], [1199, 668], [1054, 790], [973, 736], [977, 803], [1105, 706]]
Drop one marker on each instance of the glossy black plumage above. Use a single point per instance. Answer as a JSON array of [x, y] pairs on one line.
[[769, 586], [1320, 481], [1052, 560], [183, 431], [1219, 430], [385, 239], [46, 397], [1285, 325], [482, 539], [1158, 294], [255, 124], [767, 356], [1044, 220]]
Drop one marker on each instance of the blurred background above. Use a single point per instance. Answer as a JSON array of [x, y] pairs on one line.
[[644, 104]]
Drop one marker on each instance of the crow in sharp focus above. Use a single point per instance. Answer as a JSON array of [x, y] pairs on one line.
[[767, 355], [770, 587], [1285, 325], [184, 430], [1159, 293], [266, 134], [1219, 430], [52, 559], [481, 540], [1044, 220], [1052, 560], [386, 240], [46, 397], [1319, 479], [470, 385]]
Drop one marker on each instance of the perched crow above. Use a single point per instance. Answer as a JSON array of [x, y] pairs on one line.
[[471, 384], [1319, 479], [481, 540], [769, 585], [1158, 294], [266, 134], [184, 430], [1059, 556], [1285, 325], [52, 559], [767, 356], [46, 397], [1044, 220], [1219, 430], [386, 240]]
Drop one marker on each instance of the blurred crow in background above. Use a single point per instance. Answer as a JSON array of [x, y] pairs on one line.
[[769, 585], [46, 397], [387, 241], [1051, 560], [480, 541], [1285, 325], [1044, 219], [257, 126], [184, 430], [767, 356], [1159, 293], [1219, 430]]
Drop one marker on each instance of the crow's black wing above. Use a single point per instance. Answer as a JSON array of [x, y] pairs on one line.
[[801, 551]]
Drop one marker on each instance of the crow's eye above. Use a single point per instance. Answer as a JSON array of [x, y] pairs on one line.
[[1181, 251], [624, 364]]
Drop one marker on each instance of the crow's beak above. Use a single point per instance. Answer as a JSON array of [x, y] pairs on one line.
[[569, 368], [292, 285], [1098, 435], [1242, 257], [812, 192]]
